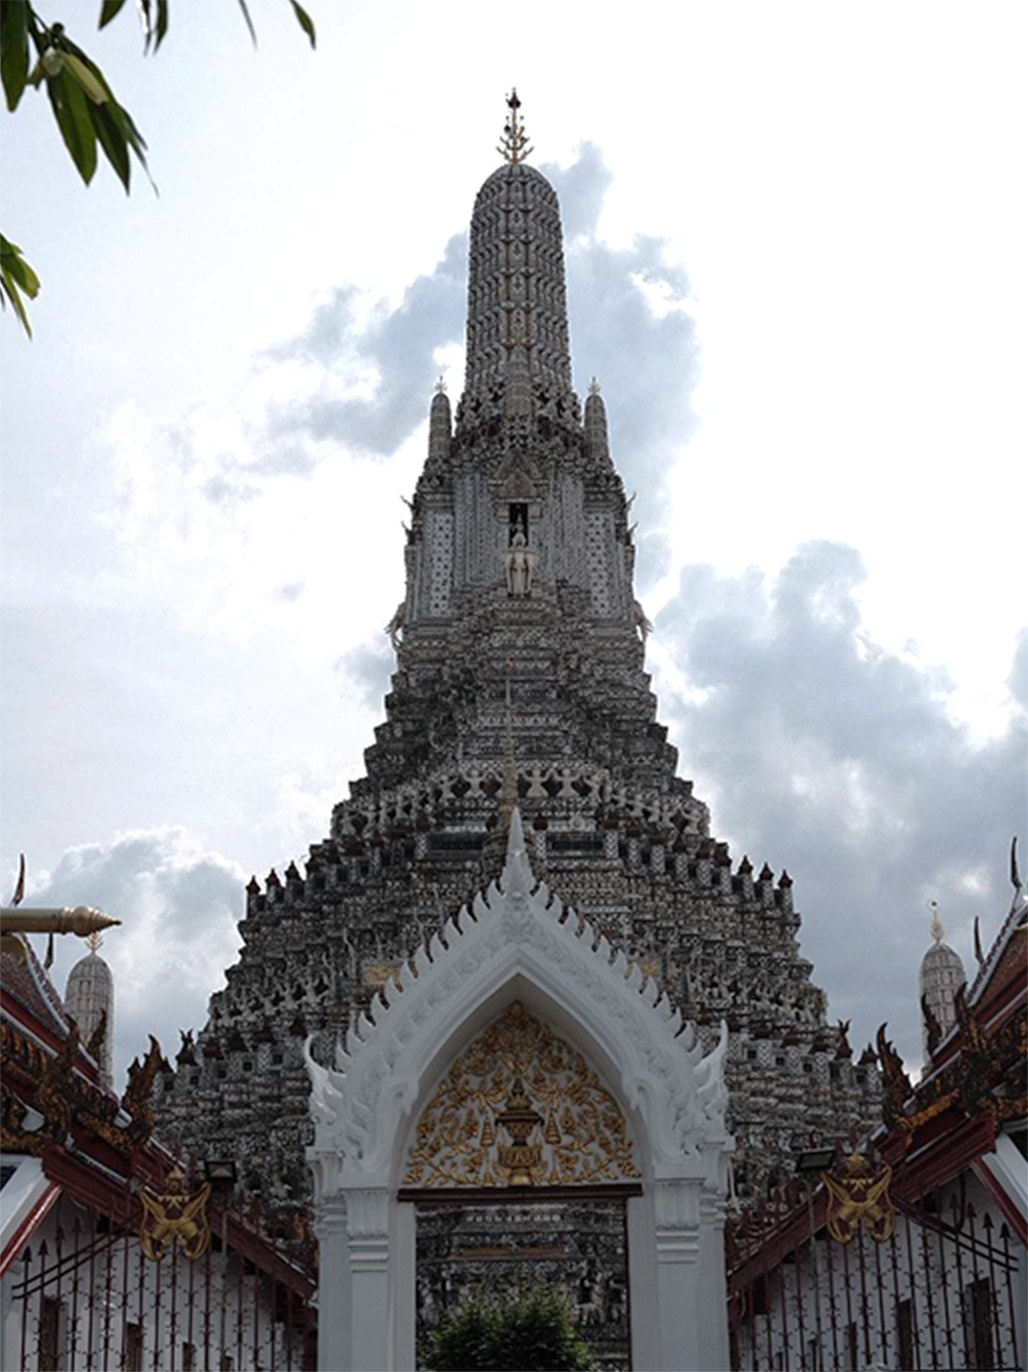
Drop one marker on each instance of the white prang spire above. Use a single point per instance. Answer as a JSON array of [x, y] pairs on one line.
[[517, 322], [942, 975], [88, 995]]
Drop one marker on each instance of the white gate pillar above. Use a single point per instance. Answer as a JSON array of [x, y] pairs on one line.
[[679, 1311], [714, 1348], [334, 1277], [367, 1213]]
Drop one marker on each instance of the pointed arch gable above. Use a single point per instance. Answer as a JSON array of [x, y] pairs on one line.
[[518, 941]]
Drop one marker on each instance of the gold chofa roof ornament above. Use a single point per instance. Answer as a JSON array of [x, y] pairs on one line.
[[514, 145]]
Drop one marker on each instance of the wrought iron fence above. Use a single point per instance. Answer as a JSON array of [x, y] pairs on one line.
[[941, 1291], [85, 1297]]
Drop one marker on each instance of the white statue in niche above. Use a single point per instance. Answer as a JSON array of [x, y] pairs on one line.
[[520, 565]]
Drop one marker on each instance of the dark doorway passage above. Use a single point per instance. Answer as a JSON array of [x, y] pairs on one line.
[[578, 1245]]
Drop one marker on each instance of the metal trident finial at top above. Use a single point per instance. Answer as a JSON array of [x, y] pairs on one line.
[[514, 145]]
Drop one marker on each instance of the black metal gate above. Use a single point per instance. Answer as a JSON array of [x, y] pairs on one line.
[[86, 1298], [941, 1292]]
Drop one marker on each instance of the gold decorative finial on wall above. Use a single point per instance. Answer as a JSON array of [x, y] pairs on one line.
[[514, 145]]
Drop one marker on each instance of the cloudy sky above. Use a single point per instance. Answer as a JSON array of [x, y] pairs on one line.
[[795, 256]]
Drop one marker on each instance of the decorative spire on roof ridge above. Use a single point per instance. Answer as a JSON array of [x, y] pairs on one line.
[[1015, 876], [514, 145]]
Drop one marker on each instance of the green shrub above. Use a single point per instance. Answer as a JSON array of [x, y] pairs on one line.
[[524, 1330]]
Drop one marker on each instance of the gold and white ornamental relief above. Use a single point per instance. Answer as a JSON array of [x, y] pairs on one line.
[[520, 1107]]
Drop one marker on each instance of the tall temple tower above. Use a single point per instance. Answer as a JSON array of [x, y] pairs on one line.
[[519, 680]]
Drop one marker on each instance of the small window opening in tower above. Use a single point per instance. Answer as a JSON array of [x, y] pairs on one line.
[[518, 519]]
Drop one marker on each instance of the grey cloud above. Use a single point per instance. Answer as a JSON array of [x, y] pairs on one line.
[[329, 333], [1017, 682], [399, 344], [283, 459], [369, 668], [842, 765], [225, 490], [581, 189], [178, 908], [291, 590], [648, 364], [648, 367], [234, 482]]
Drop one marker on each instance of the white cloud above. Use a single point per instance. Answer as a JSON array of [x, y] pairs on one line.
[[244, 546]]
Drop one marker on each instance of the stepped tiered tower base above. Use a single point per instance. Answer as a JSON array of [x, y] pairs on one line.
[[519, 679]]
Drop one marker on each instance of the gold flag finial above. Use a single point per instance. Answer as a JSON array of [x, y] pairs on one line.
[[514, 145]]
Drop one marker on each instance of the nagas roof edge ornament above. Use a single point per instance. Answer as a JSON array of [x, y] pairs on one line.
[[517, 930]]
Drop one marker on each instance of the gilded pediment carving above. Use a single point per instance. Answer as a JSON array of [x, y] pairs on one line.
[[520, 1107]]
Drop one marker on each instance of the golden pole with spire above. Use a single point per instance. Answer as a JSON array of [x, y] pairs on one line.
[[82, 921]]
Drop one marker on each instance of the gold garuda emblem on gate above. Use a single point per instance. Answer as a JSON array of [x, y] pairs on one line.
[[173, 1218], [858, 1195]]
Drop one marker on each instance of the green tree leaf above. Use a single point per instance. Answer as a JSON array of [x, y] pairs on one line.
[[16, 276], [14, 49], [113, 142], [156, 30], [305, 22], [117, 132], [249, 21], [71, 110], [86, 79], [108, 10]]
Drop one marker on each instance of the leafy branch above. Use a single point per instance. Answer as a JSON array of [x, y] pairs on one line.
[[16, 276], [84, 107]]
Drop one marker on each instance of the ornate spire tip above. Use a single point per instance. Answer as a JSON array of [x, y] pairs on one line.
[[513, 145], [935, 928]]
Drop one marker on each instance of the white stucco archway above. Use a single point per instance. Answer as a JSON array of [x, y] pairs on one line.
[[518, 942]]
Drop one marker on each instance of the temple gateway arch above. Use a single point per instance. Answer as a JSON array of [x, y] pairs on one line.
[[519, 964]]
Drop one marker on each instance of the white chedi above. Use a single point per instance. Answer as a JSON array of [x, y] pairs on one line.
[[89, 995], [941, 977]]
